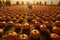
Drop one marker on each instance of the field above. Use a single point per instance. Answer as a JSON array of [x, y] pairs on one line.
[[22, 23]]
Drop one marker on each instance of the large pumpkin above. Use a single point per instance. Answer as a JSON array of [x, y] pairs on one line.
[[23, 37], [3, 23], [55, 36], [1, 31], [43, 28], [12, 36], [35, 34], [10, 23], [26, 26]]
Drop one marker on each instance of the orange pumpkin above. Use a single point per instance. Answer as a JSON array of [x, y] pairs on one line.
[[23, 37], [35, 34]]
